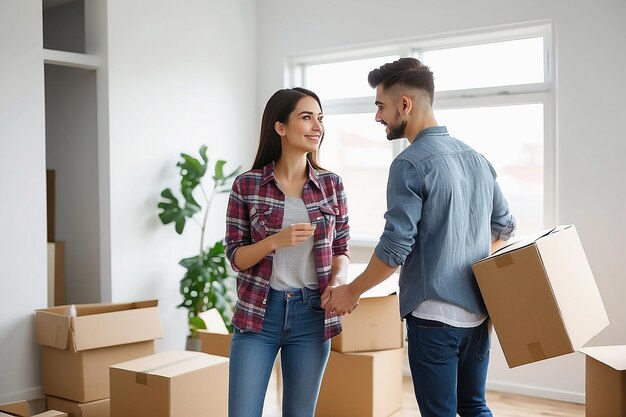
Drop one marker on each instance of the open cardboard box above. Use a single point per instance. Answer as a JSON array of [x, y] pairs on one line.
[[605, 381], [376, 323], [77, 351], [21, 409], [170, 384], [542, 296]]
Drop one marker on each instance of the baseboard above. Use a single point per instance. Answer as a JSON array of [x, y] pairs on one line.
[[28, 394], [528, 390], [534, 391]]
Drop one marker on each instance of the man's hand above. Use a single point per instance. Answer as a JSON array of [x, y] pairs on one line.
[[340, 300]]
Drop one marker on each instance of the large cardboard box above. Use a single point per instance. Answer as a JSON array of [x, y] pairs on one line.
[[542, 296], [376, 323], [56, 273], [98, 408], [605, 381], [170, 384], [21, 409], [366, 384], [77, 351]]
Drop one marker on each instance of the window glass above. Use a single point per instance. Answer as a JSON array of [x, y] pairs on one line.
[[487, 65]]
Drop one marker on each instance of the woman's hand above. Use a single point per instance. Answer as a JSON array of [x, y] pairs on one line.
[[292, 235]]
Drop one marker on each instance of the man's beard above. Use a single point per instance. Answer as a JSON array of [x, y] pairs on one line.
[[396, 130]]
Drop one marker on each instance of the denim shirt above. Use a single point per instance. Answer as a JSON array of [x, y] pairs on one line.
[[444, 207]]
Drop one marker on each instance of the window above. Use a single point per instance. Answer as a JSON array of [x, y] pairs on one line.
[[492, 92]]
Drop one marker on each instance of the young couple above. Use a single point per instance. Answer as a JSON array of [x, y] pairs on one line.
[[287, 238]]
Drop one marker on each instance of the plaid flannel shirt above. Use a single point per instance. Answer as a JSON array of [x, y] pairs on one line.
[[255, 211]]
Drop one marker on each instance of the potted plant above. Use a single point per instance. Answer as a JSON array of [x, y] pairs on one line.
[[208, 281]]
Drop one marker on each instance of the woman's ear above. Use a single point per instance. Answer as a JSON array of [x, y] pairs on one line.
[[279, 128]]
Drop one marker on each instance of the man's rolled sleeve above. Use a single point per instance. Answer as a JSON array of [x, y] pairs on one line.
[[404, 211], [237, 225], [502, 221]]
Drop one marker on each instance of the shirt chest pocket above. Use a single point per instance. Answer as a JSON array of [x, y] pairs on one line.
[[328, 218], [260, 216]]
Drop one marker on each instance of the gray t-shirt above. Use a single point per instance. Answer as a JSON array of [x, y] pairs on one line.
[[294, 267]]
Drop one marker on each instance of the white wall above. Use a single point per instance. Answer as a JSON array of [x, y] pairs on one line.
[[590, 88], [23, 187], [179, 77], [72, 151]]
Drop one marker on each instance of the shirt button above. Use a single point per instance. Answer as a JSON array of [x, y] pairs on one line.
[[265, 301]]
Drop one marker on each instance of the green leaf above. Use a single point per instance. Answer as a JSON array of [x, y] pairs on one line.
[[219, 172], [196, 323], [191, 171], [171, 211]]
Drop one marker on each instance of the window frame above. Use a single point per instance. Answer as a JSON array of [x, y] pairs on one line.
[[533, 93]]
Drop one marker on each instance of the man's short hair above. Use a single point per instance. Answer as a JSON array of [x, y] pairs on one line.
[[408, 72]]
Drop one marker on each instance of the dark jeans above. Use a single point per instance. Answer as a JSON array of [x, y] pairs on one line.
[[449, 368]]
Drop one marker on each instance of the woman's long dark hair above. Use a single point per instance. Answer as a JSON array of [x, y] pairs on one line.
[[278, 109]]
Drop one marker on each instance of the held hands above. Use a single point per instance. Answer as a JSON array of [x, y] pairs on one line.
[[293, 235], [340, 300]]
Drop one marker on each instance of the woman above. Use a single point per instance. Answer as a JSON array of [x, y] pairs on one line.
[[287, 237]]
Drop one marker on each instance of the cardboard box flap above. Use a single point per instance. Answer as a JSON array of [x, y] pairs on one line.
[[99, 308], [52, 328], [115, 328], [170, 363], [613, 356], [525, 241], [389, 286], [19, 408]]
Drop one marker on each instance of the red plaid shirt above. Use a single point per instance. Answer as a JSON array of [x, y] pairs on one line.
[[255, 211]]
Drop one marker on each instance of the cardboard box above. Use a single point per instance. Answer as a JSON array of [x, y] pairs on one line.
[[170, 384], [56, 273], [376, 323], [98, 408], [541, 295], [605, 381], [366, 384], [77, 351], [21, 409], [215, 343], [50, 203]]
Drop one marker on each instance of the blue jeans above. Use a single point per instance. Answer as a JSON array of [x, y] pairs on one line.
[[294, 323], [449, 368]]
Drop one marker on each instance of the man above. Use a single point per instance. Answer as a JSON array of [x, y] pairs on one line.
[[444, 209]]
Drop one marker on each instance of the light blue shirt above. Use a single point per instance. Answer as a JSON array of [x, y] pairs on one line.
[[444, 207]]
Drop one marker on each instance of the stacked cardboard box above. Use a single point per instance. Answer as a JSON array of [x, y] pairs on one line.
[[21, 409], [79, 343], [363, 377], [605, 381], [542, 296], [170, 384]]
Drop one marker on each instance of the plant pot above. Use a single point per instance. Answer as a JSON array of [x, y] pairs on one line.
[[193, 344]]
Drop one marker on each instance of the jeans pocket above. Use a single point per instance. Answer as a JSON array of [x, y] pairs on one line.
[[484, 340], [437, 344], [315, 304]]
